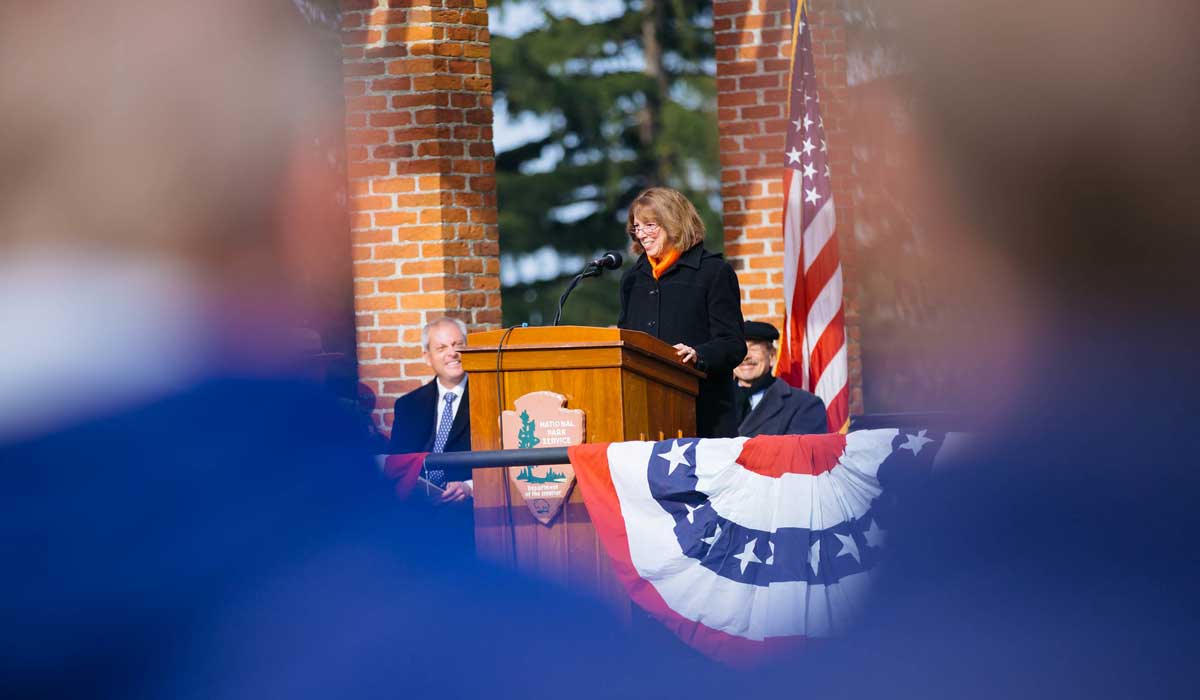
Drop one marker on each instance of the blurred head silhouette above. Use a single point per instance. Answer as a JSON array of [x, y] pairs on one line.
[[155, 192], [1061, 145], [1062, 142]]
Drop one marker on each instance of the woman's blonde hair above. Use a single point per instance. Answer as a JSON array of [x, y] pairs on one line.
[[674, 214]]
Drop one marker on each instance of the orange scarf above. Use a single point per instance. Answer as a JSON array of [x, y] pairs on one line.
[[660, 265]]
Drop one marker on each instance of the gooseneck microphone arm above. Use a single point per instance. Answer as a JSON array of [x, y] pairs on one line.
[[609, 261]]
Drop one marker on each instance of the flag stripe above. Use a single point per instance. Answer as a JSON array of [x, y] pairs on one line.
[[818, 233], [824, 318], [776, 455], [840, 406], [833, 380], [826, 365]]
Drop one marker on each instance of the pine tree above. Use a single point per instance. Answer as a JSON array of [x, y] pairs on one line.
[[631, 103]]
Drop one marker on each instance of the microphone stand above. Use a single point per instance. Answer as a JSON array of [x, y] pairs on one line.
[[591, 270]]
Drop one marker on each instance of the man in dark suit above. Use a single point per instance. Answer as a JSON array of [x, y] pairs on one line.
[[765, 404], [437, 417]]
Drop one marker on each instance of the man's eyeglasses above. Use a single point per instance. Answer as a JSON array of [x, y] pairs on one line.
[[647, 228]]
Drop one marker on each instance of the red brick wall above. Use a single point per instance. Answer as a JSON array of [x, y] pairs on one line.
[[421, 170], [753, 39]]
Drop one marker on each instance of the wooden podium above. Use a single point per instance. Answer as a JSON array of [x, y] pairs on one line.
[[630, 386]]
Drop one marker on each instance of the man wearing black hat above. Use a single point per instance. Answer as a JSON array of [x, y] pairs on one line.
[[765, 404]]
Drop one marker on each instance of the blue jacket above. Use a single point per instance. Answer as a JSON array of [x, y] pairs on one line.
[[785, 410]]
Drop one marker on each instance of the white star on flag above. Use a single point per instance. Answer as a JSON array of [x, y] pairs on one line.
[[811, 196], [793, 156], [814, 557], [875, 535], [675, 457], [807, 122], [799, 124], [916, 442], [809, 170], [849, 546], [808, 146], [747, 556], [771, 557], [691, 509], [712, 540]]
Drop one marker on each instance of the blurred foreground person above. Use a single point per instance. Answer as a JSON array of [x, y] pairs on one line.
[[184, 514], [1060, 561]]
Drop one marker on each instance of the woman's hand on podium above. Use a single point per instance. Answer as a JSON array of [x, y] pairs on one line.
[[686, 353]]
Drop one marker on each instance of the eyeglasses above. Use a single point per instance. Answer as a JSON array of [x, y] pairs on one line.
[[647, 228]]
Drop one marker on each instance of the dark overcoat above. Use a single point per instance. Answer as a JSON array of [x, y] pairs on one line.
[[696, 303], [785, 410], [414, 425]]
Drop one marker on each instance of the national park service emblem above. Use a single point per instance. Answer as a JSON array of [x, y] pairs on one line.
[[540, 420]]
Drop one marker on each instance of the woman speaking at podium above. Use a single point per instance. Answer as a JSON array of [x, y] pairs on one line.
[[680, 293]]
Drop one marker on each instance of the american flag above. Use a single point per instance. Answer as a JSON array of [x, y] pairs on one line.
[[747, 548], [813, 349]]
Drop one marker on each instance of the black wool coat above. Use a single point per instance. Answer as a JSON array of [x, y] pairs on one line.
[[785, 410], [697, 303], [414, 425]]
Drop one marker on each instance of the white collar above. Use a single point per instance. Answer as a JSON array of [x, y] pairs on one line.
[[457, 389]]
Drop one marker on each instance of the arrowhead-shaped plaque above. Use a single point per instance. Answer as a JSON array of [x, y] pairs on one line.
[[541, 420]]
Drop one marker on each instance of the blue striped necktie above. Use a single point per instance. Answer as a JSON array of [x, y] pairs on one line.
[[437, 476]]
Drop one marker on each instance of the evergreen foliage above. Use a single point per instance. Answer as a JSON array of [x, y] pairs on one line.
[[631, 103]]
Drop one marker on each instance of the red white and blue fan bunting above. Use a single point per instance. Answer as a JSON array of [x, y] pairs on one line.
[[748, 547]]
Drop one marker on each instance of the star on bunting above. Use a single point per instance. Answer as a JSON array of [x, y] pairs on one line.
[[747, 556], [814, 557], [849, 546], [710, 541], [916, 442], [675, 457], [691, 509], [875, 535]]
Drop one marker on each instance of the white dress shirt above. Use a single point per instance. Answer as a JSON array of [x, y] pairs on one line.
[[441, 406], [756, 397], [441, 401]]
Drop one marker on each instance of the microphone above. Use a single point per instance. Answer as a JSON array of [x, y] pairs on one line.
[[609, 261]]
